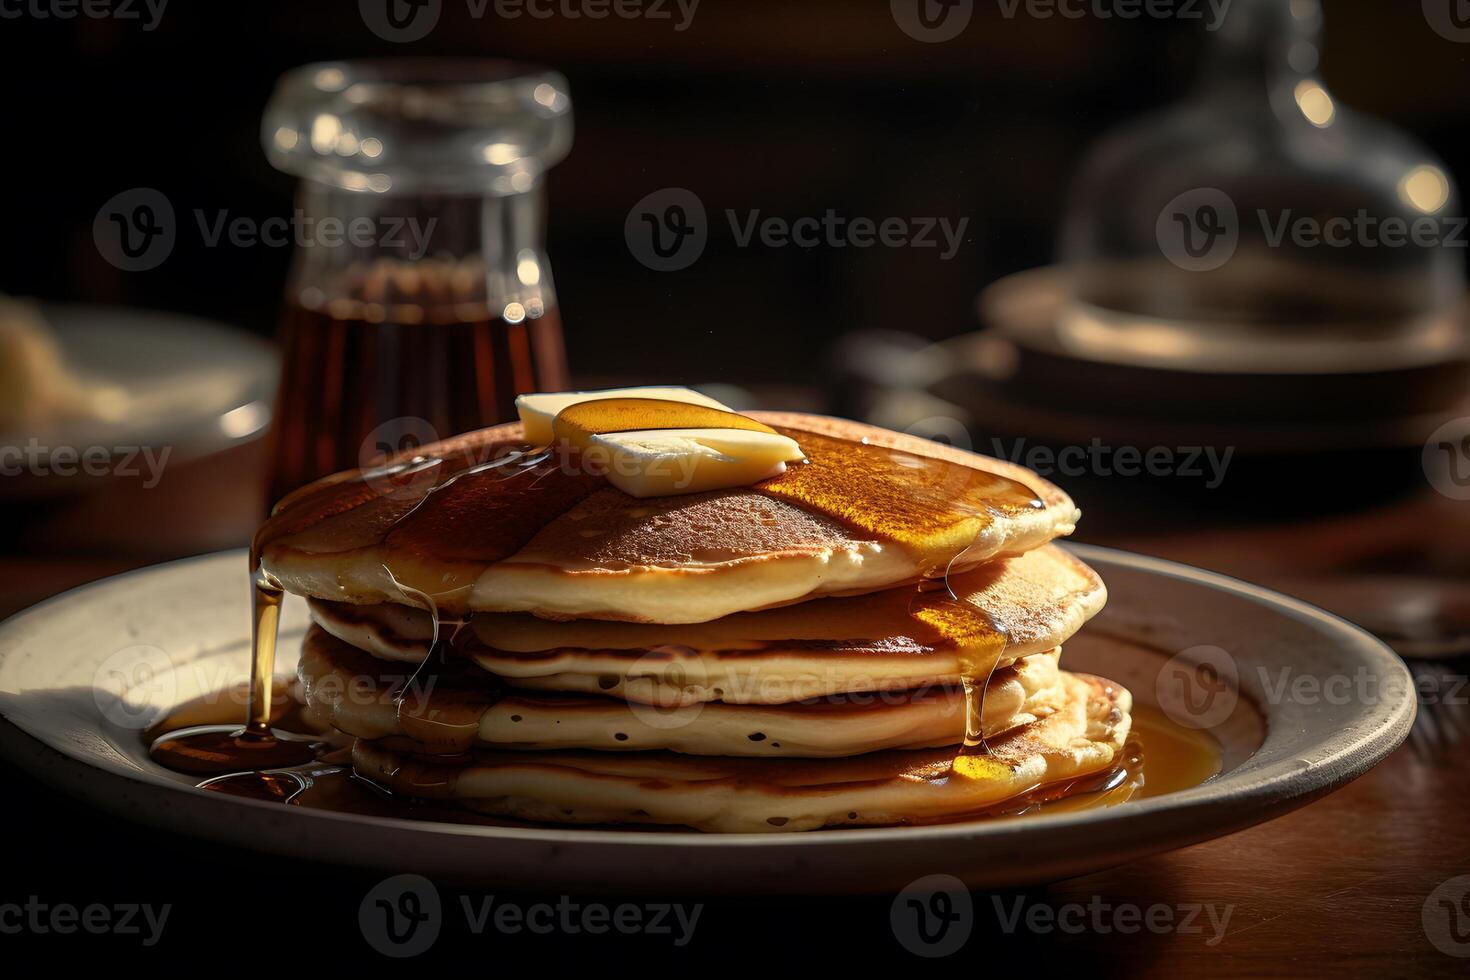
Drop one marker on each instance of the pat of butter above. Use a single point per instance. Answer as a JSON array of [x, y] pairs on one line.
[[660, 447], [538, 411], [664, 462]]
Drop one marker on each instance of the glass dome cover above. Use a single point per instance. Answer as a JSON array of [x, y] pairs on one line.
[[1259, 225]]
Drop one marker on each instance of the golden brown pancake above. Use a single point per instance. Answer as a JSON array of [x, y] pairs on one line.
[[884, 641], [730, 795], [468, 526], [457, 710]]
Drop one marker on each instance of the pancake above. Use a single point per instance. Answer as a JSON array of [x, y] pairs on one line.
[[1084, 736], [473, 524], [880, 642], [450, 712]]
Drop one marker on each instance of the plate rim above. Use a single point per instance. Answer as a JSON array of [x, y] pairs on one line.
[[1279, 787]]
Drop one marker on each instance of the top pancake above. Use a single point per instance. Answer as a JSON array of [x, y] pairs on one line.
[[467, 525]]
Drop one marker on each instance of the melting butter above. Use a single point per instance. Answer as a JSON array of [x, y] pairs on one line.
[[658, 447], [537, 411]]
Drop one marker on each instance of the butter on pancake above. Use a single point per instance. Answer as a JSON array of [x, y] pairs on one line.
[[728, 795], [648, 447], [879, 642], [538, 412], [365, 697], [465, 523]]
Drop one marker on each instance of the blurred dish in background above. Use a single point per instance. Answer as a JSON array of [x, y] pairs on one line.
[[85, 386], [1359, 393], [38, 388], [1259, 227]]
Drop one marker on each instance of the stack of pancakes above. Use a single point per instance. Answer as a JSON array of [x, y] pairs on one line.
[[499, 629]]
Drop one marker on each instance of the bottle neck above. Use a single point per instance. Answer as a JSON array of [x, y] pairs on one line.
[[1263, 47], [431, 250]]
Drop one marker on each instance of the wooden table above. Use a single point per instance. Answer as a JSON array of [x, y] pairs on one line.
[[1336, 888]]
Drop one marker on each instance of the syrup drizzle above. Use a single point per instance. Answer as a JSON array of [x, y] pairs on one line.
[[932, 506]]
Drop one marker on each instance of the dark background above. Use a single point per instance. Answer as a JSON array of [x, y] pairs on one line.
[[789, 108]]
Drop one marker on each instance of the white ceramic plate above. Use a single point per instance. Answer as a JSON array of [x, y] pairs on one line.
[[81, 674]]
